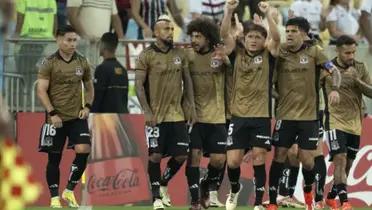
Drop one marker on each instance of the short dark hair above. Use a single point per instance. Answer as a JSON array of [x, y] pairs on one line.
[[345, 40], [109, 41], [301, 22], [207, 27], [249, 26], [62, 30]]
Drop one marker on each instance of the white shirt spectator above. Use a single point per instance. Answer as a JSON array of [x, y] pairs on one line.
[[311, 10], [195, 7], [346, 20], [213, 9], [367, 6], [95, 15]]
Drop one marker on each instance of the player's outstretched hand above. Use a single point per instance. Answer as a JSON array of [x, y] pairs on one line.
[[334, 97], [264, 7], [56, 121], [231, 5], [84, 113]]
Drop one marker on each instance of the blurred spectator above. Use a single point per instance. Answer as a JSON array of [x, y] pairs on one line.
[[195, 11], [6, 12], [342, 20], [92, 18], [35, 20], [110, 80], [313, 11], [366, 21], [61, 12], [213, 9], [124, 13], [5, 120], [146, 12]]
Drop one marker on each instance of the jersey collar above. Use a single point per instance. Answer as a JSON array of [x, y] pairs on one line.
[[252, 55], [74, 56], [339, 65], [157, 49]]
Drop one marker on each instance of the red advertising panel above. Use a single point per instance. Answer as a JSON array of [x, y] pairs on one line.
[[117, 169]]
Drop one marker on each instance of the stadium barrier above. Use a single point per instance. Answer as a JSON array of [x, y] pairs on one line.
[[116, 173], [14, 91]]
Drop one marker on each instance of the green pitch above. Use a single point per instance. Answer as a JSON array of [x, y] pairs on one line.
[[150, 208]]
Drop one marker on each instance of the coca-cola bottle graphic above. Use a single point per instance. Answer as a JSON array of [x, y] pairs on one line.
[[116, 173], [110, 139]]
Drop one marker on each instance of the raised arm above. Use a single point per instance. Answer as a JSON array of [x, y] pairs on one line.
[[274, 41], [225, 30]]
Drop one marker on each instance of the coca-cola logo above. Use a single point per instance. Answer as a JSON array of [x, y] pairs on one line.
[[122, 180], [360, 176]]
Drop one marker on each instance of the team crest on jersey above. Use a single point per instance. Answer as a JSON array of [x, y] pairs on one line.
[[304, 60], [257, 59], [177, 60], [215, 63], [79, 71]]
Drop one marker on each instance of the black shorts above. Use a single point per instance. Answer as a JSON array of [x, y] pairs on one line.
[[53, 139], [245, 133], [289, 132], [211, 138], [168, 139], [342, 142]]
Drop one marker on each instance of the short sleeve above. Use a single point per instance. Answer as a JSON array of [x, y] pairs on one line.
[[87, 72], [21, 6], [114, 8], [366, 6], [141, 62], [45, 69], [74, 3], [320, 56], [332, 17]]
